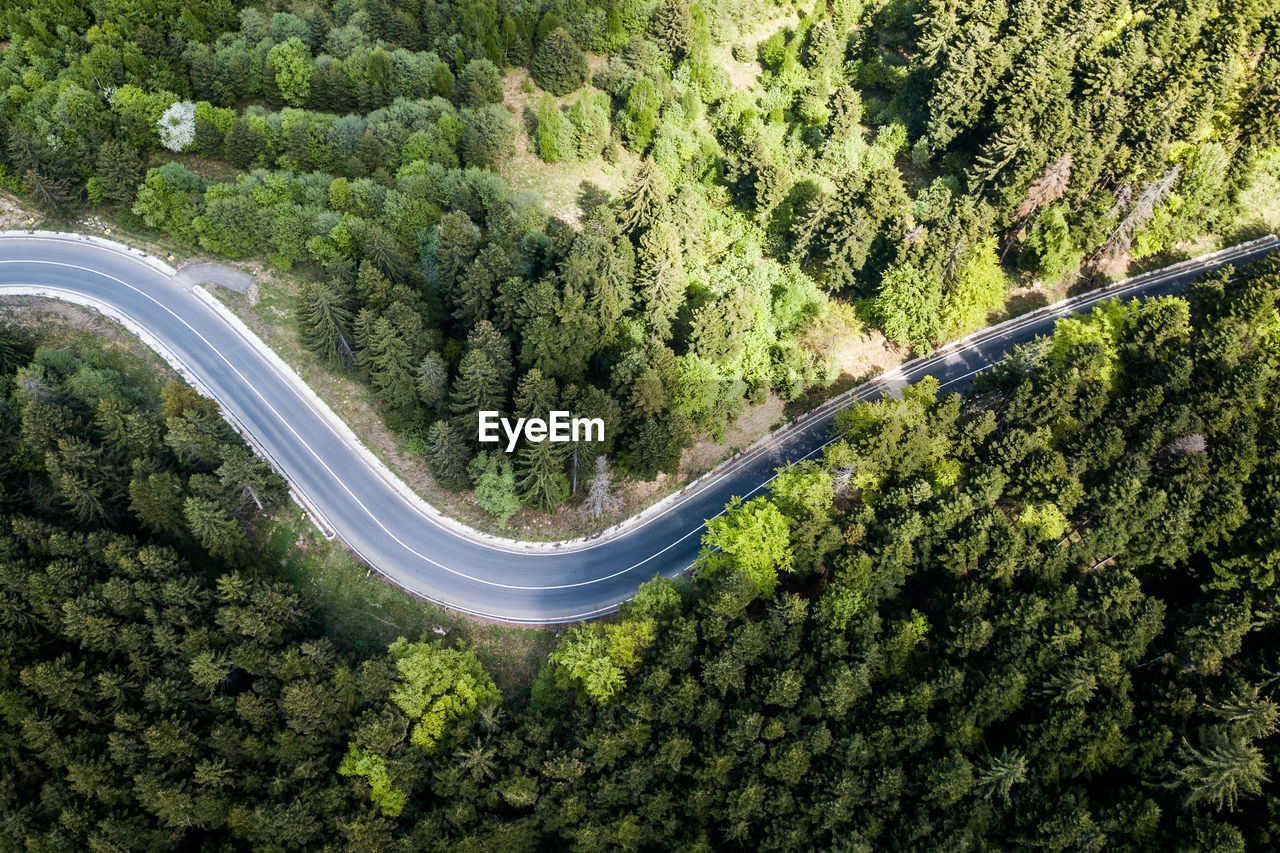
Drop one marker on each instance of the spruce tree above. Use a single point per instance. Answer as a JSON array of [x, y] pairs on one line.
[[447, 455], [541, 480], [662, 279], [474, 289], [477, 387], [392, 372], [558, 65], [644, 197], [433, 380], [217, 531], [324, 322], [119, 171], [671, 27]]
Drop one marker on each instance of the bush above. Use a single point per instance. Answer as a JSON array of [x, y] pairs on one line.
[[558, 65], [554, 133]]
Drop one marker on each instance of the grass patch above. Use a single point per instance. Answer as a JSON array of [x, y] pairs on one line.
[[361, 612]]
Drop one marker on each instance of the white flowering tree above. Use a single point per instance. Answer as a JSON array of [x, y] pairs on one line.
[[177, 126]]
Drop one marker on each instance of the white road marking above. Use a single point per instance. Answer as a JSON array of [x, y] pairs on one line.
[[908, 371]]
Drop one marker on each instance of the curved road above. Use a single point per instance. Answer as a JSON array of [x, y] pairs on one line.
[[334, 477]]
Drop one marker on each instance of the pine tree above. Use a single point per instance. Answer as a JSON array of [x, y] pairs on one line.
[[246, 479], [447, 455], [391, 369], [536, 395], [909, 306], [119, 171], [373, 287], [542, 483], [217, 531], [474, 290], [671, 27], [433, 380], [1223, 767], [644, 197], [324, 322], [480, 83], [51, 194], [807, 227], [997, 775], [558, 65], [477, 387], [457, 240], [602, 265], [662, 279]]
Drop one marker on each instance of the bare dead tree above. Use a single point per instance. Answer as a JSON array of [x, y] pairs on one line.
[[1144, 207], [1046, 189], [600, 498]]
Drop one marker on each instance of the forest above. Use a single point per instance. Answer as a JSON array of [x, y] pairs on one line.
[[1043, 615], [915, 159]]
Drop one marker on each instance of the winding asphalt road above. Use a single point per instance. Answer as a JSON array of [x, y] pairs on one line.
[[336, 480]]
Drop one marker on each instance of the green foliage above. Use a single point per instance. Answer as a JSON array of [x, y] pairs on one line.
[[495, 483], [900, 638], [290, 62], [872, 150], [170, 199], [480, 83], [1049, 249], [487, 136], [751, 538], [437, 688], [558, 65], [554, 132], [909, 306]]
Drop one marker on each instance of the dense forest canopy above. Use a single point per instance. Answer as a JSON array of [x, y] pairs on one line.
[[1043, 615], [912, 157]]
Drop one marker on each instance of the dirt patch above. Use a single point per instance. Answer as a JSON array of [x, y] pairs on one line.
[[75, 327], [745, 76], [752, 425], [559, 184], [13, 215]]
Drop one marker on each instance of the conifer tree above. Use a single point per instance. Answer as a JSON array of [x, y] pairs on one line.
[[479, 386], [447, 455], [644, 197], [391, 371], [433, 380], [217, 531], [601, 499], [119, 171], [324, 322], [558, 65], [662, 279], [672, 28], [474, 290], [541, 480]]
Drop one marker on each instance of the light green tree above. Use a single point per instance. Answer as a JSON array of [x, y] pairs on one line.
[[290, 60], [752, 538]]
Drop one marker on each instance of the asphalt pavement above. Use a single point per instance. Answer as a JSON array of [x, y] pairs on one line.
[[391, 533]]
